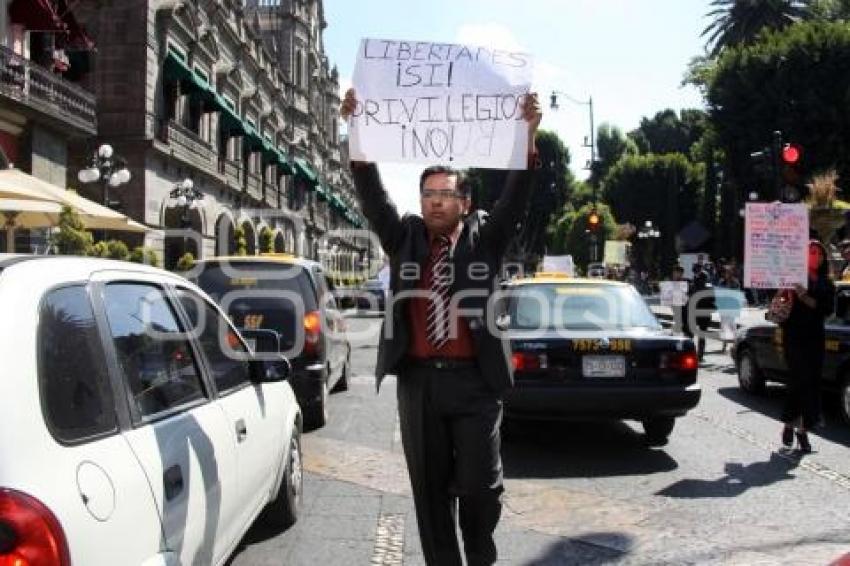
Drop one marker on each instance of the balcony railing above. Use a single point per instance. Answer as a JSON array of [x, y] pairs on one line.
[[232, 172], [190, 147], [45, 92], [271, 194], [254, 186]]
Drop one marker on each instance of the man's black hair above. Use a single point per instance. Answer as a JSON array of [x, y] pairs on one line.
[[462, 186]]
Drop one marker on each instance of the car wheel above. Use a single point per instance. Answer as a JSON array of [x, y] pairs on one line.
[[283, 511], [658, 429], [317, 414], [750, 377], [844, 400], [342, 384]]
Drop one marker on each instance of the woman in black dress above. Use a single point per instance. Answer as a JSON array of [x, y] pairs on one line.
[[803, 340]]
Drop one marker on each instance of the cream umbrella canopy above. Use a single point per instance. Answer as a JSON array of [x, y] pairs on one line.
[[17, 213], [18, 185]]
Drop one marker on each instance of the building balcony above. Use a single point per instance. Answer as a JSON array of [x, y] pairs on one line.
[[232, 172], [187, 146], [271, 193], [254, 186], [40, 92]]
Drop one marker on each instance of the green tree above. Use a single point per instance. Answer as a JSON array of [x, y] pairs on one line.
[[795, 81], [666, 189], [240, 240], [611, 146], [266, 240], [739, 22], [185, 263], [71, 238], [574, 238], [144, 255], [553, 186], [667, 132], [831, 10]]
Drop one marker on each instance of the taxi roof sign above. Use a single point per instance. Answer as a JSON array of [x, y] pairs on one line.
[[551, 275]]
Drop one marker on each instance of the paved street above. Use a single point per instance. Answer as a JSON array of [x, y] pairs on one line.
[[718, 493]]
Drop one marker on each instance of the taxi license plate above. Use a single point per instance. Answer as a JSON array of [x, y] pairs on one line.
[[603, 366]]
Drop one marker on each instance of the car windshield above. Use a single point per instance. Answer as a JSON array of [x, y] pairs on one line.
[[578, 306]]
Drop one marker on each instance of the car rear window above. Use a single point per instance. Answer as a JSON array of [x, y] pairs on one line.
[[576, 306], [261, 295], [76, 396]]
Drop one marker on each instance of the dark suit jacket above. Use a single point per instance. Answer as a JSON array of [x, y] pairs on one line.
[[481, 246]]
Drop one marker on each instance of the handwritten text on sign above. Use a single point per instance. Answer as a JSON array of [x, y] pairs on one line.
[[423, 102], [776, 244]]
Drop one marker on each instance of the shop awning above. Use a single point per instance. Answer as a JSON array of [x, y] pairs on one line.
[[228, 119], [303, 169], [322, 192], [176, 69], [284, 163], [35, 15]]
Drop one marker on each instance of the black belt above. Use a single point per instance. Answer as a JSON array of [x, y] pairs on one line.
[[442, 363]]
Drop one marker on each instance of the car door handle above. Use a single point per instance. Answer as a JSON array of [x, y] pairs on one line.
[[172, 481], [241, 430]]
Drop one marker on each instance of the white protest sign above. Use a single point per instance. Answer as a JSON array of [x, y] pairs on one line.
[[776, 244], [673, 293], [616, 252], [559, 264], [440, 103]]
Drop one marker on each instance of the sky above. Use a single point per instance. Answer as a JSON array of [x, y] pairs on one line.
[[628, 55]]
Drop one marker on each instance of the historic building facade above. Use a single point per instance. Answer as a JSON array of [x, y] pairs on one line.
[[44, 107], [196, 89]]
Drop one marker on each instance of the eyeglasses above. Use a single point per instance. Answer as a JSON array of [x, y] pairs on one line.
[[431, 194]]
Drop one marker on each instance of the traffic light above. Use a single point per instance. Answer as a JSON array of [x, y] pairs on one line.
[[780, 163], [593, 221]]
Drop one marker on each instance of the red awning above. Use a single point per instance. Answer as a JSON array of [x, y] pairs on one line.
[[35, 15], [77, 36]]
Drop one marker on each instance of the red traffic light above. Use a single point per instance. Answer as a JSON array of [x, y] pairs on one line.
[[593, 220], [791, 154]]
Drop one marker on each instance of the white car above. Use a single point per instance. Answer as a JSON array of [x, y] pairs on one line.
[[127, 434]]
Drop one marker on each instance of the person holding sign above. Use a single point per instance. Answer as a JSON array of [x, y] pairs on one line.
[[803, 341], [446, 344]]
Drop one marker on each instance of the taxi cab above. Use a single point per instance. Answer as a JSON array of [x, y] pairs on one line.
[[592, 349], [759, 357], [290, 299]]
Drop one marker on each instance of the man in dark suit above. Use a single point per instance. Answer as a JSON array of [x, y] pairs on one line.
[[443, 336]]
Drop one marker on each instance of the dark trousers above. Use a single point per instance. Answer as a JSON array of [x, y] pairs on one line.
[[802, 395], [449, 423]]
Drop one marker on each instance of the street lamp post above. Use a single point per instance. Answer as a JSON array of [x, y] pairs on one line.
[[592, 143], [649, 233], [109, 168], [184, 194]]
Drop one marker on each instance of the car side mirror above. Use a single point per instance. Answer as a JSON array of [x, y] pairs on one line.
[[270, 371]]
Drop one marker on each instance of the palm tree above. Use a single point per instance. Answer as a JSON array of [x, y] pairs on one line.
[[740, 21]]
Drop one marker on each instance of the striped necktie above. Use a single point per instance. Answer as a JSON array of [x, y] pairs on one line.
[[437, 320]]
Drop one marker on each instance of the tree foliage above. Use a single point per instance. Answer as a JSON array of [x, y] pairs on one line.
[[241, 241], [266, 240], [569, 233], [740, 22], [666, 189], [668, 132], [611, 146], [71, 238], [796, 82], [554, 184], [185, 263]]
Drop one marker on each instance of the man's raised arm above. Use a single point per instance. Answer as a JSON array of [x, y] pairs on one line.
[[509, 209], [382, 214]]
